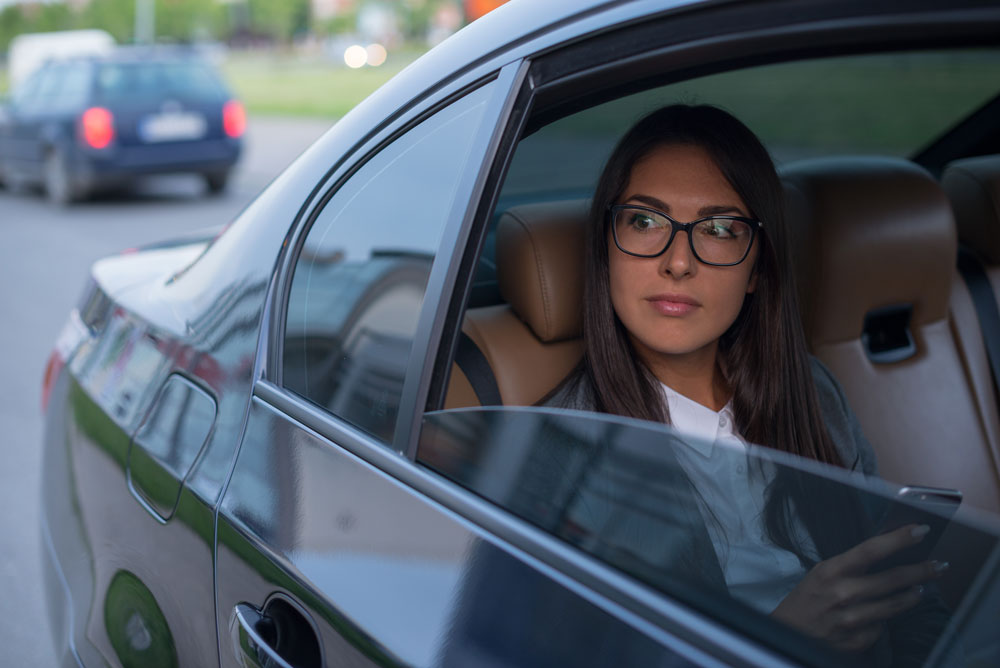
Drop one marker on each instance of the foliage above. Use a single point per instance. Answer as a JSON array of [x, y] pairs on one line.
[[274, 21]]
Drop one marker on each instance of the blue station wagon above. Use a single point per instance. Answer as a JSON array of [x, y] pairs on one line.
[[84, 124]]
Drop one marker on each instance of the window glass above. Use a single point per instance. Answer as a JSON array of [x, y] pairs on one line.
[[27, 92], [633, 495], [887, 104], [358, 287], [125, 82], [51, 84]]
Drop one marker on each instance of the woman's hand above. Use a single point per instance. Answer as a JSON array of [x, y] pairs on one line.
[[839, 602]]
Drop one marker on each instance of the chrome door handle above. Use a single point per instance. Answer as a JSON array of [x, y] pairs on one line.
[[254, 637]]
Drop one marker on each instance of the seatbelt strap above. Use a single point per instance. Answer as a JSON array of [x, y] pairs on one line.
[[985, 301], [472, 362]]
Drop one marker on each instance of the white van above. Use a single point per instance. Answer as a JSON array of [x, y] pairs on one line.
[[29, 51]]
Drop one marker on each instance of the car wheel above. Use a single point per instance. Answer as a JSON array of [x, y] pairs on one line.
[[59, 187], [216, 181]]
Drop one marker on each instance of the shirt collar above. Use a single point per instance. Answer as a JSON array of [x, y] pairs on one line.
[[690, 418]]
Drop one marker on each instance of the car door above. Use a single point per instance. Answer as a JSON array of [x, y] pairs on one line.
[[307, 529]]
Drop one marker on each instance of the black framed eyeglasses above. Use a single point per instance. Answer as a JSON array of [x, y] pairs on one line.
[[720, 241]]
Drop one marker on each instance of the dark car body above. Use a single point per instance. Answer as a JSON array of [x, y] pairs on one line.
[[249, 457], [84, 124]]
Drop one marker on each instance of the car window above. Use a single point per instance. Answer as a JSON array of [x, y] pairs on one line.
[[27, 92], [137, 82], [50, 87], [630, 494], [359, 282]]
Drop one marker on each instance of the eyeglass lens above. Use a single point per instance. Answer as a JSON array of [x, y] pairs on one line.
[[719, 240]]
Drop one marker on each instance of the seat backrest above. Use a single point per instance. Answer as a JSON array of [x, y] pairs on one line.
[[878, 242], [973, 186], [532, 341]]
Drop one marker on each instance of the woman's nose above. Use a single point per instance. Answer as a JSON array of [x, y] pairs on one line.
[[678, 260]]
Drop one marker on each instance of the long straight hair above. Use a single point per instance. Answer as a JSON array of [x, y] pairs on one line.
[[763, 354]]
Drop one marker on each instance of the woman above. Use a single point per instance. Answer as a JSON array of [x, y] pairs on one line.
[[690, 318]]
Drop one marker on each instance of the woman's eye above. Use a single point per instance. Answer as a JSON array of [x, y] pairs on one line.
[[719, 229], [641, 223]]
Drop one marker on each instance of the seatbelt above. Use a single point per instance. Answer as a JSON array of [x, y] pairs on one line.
[[472, 362], [985, 301]]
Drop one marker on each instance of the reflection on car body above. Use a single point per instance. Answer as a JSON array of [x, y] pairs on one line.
[[315, 439]]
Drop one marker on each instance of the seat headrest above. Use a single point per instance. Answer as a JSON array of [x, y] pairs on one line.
[[540, 255], [874, 233], [973, 185]]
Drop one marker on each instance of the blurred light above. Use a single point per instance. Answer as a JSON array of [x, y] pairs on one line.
[[376, 54], [97, 126], [355, 56], [234, 118]]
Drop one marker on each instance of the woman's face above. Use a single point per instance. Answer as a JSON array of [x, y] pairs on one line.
[[673, 305]]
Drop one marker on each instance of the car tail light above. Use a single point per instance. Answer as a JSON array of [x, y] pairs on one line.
[[52, 369], [97, 127], [234, 118], [73, 333]]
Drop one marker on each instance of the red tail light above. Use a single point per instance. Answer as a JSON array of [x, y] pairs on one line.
[[97, 126], [234, 118], [52, 370]]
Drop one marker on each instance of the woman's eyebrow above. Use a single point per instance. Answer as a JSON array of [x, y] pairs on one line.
[[705, 211], [715, 210], [649, 200]]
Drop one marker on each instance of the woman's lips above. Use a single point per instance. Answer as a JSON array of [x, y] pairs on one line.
[[673, 305]]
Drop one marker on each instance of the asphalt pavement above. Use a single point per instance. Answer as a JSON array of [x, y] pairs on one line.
[[45, 255]]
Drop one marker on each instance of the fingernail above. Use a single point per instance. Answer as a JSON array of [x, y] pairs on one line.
[[920, 531], [940, 566]]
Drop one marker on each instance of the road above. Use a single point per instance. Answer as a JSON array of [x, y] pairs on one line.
[[45, 254]]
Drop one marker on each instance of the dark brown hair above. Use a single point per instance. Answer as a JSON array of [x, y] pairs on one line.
[[763, 353]]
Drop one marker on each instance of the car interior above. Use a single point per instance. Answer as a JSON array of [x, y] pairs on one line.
[[878, 215]]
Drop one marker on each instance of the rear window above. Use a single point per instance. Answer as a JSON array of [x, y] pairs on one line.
[[150, 81]]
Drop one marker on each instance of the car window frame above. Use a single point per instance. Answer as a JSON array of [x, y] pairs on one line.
[[467, 191]]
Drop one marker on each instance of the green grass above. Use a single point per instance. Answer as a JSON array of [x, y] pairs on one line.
[[288, 87]]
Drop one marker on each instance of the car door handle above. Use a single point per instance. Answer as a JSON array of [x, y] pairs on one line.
[[280, 636], [254, 639]]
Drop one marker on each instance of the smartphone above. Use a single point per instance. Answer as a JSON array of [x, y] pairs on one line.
[[933, 506]]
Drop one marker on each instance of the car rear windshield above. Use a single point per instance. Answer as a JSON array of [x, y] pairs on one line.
[[136, 82]]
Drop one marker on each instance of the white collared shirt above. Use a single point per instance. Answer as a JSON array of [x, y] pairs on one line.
[[732, 487]]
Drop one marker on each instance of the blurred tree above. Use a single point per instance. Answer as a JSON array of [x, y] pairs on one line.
[[189, 20], [115, 16], [17, 19], [282, 19]]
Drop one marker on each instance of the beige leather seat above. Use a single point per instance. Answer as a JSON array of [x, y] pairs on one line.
[[973, 186], [875, 237], [533, 340]]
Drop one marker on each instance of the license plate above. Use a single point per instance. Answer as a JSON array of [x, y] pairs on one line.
[[172, 126]]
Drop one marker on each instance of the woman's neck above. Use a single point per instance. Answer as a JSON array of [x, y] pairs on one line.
[[695, 375]]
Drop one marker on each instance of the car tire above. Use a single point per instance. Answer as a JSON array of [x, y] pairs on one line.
[[216, 182], [59, 187]]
